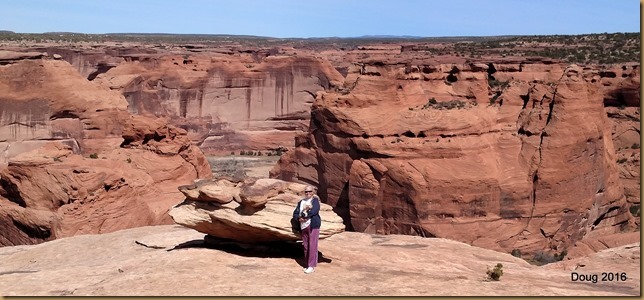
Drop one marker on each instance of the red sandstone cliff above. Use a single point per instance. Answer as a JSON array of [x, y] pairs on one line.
[[74, 161], [501, 155], [226, 100], [476, 144]]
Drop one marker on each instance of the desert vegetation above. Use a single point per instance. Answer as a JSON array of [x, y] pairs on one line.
[[601, 48], [247, 164], [432, 103], [496, 273]]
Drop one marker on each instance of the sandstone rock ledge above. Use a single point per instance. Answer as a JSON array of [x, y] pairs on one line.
[[171, 260], [261, 210]]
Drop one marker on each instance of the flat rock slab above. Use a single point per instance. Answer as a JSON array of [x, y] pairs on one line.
[[351, 264], [174, 237]]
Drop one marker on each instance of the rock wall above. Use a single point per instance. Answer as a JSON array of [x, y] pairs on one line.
[[74, 161], [246, 100], [499, 155]]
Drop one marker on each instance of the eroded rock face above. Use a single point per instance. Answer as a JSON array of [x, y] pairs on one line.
[[622, 101], [262, 215], [225, 102], [228, 98], [526, 164], [74, 161], [589, 246]]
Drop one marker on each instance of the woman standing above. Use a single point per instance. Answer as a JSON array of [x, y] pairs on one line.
[[307, 213]]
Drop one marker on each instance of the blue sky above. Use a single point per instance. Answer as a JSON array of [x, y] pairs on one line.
[[315, 18]]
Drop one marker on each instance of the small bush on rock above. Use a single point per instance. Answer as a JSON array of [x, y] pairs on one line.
[[516, 253], [495, 274], [541, 258], [635, 210]]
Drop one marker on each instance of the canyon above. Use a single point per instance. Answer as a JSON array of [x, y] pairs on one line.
[[488, 165], [502, 152]]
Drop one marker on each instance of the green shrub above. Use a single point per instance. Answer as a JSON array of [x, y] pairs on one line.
[[93, 156], [635, 210], [233, 168], [635, 146], [560, 256], [430, 103], [129, 160], [57, 159], [622, 160], [516, 253], [456, 103], [500, 84], [541, 258], [496, 273]]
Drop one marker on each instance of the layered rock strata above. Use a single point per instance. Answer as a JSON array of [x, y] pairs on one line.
[[74, 161], [251, 211], [504, 160], [226, 103]]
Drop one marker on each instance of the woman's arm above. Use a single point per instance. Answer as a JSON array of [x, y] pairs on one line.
[[296, 212]]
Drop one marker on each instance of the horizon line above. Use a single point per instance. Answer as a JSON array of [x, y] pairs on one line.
[[383, 36]]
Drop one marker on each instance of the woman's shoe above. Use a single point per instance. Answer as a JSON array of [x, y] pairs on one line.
[[309, 270]]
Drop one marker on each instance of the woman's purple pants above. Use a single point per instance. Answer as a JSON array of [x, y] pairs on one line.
[[310, 242]]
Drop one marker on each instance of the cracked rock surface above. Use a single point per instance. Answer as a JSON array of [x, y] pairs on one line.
[[170, 260]]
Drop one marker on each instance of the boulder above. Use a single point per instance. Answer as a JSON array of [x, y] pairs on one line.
[[220, 194], [220, 191], [251, 222]]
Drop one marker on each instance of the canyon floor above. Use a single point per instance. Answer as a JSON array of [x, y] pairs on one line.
[[174, 261], [251, 166]]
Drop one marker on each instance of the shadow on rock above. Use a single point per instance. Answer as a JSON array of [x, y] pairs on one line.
[[280, 249]]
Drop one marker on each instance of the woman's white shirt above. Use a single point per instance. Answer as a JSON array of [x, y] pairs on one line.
[[304, 203]]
